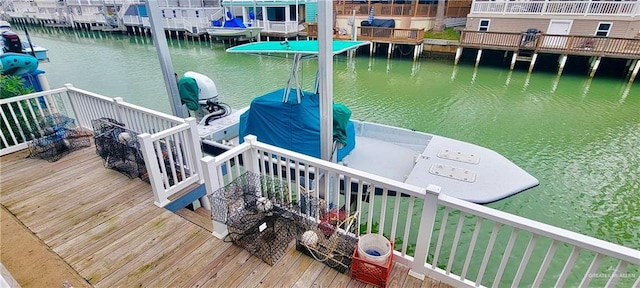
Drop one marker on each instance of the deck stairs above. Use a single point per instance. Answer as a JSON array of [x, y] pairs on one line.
[[525, 55]]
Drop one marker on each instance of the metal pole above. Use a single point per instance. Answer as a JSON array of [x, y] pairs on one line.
[[325, 65], [157, 31]]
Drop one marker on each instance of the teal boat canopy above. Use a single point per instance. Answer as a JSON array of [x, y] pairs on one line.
[[303, 47]]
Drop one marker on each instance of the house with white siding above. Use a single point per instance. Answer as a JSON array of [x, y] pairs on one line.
[[620, 19]]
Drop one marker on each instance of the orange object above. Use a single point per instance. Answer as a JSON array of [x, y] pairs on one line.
[[371, 272]]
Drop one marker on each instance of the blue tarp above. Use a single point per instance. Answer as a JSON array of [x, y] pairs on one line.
[[234, 23], [290, 125]]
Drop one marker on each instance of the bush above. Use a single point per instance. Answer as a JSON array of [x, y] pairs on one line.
[[12, 86]]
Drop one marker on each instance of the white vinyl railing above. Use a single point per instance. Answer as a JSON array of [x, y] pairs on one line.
[[558, 7], [457, 242], [169, 144], [278, 26]]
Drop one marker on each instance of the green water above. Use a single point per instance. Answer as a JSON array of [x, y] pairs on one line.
[[579, 137]]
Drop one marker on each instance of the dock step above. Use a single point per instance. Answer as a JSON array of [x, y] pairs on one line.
[[524, 58]]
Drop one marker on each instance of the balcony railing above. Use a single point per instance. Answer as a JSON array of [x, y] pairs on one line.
[[561, 44], [278, 26], [156, 130], [458, 242], [454, 8], [558, 7], [379, 34]]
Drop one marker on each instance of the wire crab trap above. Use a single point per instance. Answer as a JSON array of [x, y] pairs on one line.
[[325, 242], [258, 216], [118, 147], [57, 137]]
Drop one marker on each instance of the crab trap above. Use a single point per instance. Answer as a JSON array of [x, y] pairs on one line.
[[57, 136], [118, 147], [258, 216]]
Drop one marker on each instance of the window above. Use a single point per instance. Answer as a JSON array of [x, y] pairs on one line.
[[603, 29], [484, 25]]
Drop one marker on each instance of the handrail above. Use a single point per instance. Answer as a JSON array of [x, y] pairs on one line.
[[171, 147], [558, 7], [265, 159], [550, 43]]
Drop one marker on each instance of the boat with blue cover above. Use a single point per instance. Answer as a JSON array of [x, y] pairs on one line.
[[289, 118]]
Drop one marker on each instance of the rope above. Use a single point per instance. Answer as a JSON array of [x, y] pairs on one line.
[[333, 239]]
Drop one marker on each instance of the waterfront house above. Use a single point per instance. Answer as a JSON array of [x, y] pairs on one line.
[[585, 18], [527, 28]]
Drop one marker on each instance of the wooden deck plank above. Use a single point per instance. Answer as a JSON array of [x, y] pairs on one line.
[[326, 277], [164, 249], [177, 256], [189, 265], [294, 268], [109, 216], [257, 276], [96, 266], [106, 227], [310, 275], [398, 275], [91, 241], [235, 265], [79, 209], [209, 271]]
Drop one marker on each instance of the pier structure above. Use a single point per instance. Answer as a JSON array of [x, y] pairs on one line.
[[378, 36], [524, 48]]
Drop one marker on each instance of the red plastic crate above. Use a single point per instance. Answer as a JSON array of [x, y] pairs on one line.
[[370, 272]]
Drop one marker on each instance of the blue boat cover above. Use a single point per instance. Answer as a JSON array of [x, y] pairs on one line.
[[234, 23], [291, 125]]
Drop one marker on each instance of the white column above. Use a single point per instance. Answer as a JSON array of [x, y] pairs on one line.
[[458, 55], [594, 67], [478, 57], [563, 61], [533, 61], [635, 71], [513, 60]]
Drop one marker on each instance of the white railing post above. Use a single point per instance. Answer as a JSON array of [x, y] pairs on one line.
[[120, 111], [195, 150], [82, 122], [153, 171], [212, 183], [544, 7], [427, 222], [251, 158]]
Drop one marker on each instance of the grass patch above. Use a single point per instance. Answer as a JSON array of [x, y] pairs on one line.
[[447, 34]]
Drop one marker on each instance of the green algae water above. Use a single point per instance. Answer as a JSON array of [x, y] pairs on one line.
[[580, 137]]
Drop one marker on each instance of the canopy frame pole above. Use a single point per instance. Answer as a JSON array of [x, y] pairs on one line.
[[294, 76]]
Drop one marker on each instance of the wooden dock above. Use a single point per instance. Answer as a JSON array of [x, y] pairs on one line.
[[380, 35], [106, 227], [521, 44]]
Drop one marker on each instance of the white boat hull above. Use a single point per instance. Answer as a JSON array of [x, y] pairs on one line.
[[463, 170], [238, 33]]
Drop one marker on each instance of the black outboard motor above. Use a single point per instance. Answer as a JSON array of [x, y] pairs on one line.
[[11, 42]]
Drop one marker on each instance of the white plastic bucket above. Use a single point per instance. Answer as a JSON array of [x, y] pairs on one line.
[[375, 248]]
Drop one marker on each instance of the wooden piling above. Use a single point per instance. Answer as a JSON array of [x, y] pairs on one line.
[[594, 67], [635, 71], [478, 57], [458, 55], [561, 63], [533, 61]]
